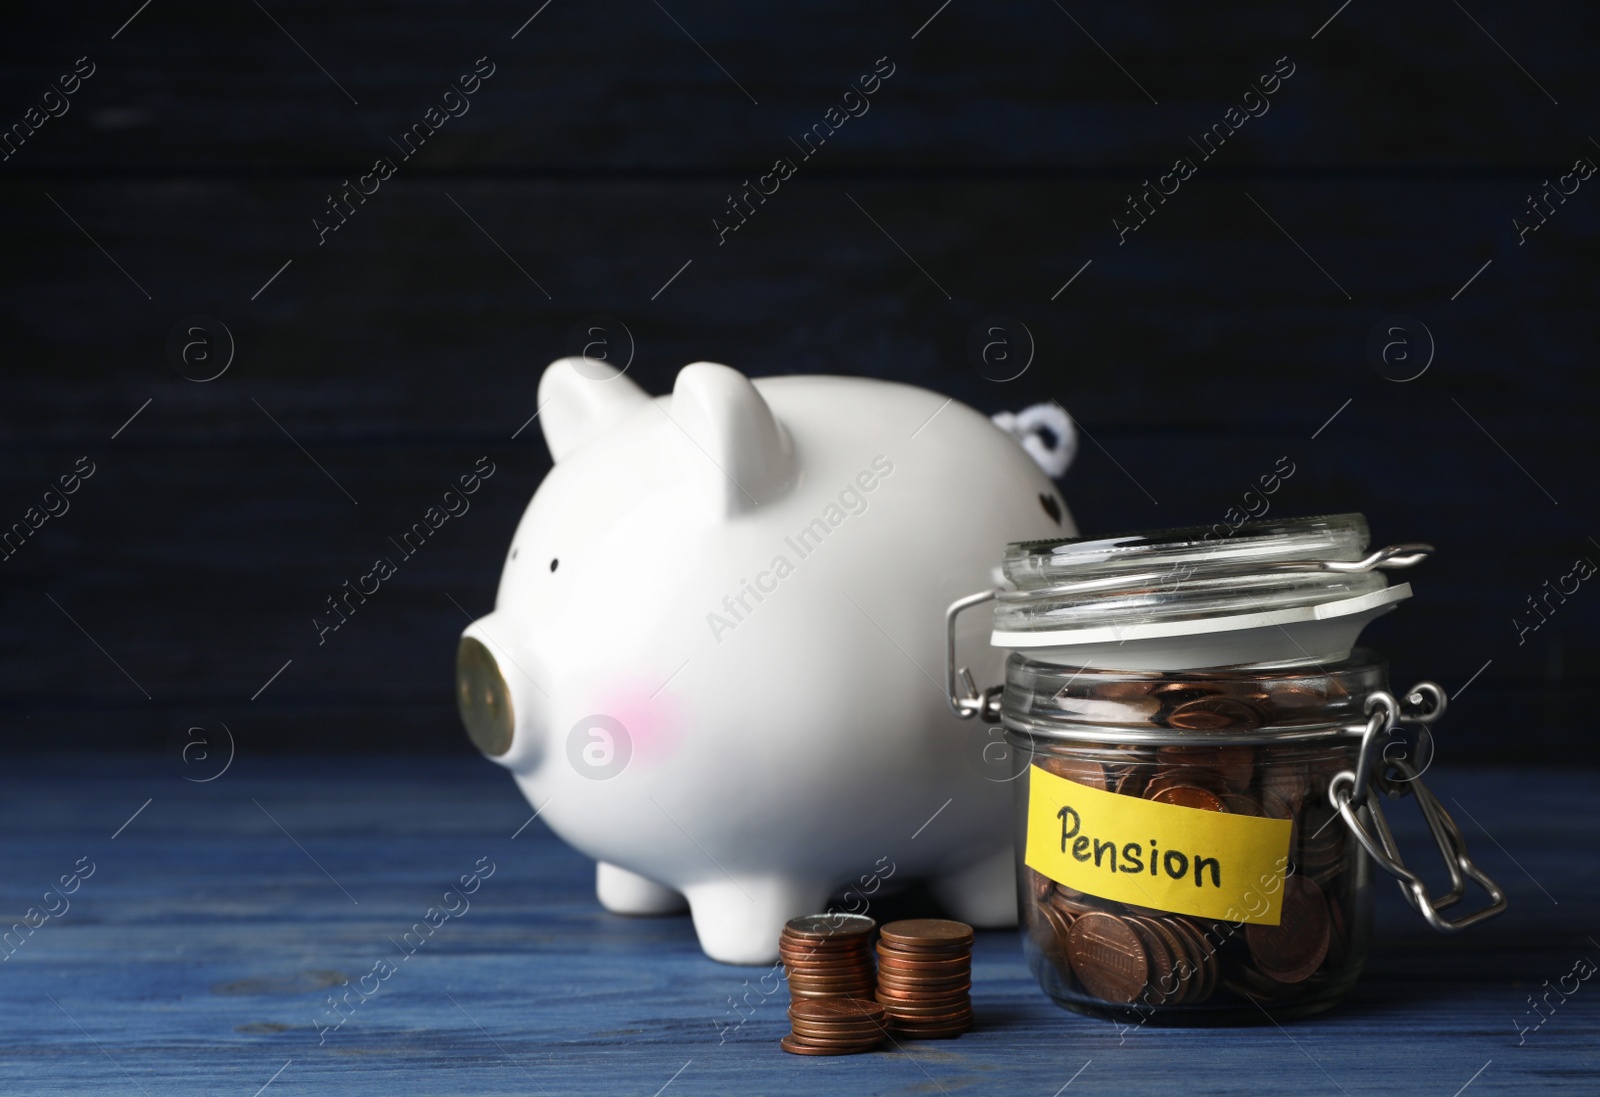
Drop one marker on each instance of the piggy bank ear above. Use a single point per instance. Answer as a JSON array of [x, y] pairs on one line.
[[580, 398], [745, 456]]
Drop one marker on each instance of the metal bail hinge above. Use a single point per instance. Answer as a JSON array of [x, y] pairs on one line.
[[960, 690], [1348, 792]]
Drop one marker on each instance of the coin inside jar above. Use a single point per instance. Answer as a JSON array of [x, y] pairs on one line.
[[1108, 957], [1292, 950]]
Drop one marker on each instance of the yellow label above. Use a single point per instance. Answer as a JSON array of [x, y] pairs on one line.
[[1209, 864]]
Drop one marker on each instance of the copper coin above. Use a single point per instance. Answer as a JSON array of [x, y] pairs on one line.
[[1052, 937], [841, 975], [1186, 779], [944, 1014], [928, 933], [805, 1013], [840, 987], [829, 926], [795, 1046], [860, 989], [1187, 969], [899, 1002], [1274, 806], [1082, 770], [828, 963], [936, 1009], [934, 1033], [926, 1027], [813, 1034], [1241, 803], [1187, 796], [822, 956], [901, 979], [1202, 955], [1214, 714], [892, 997], [1250, 983], [944, 1033], [959, 1019], [1159, 983], [1234, 764], [847, 938], [1131, 781], [902, 982], [804, 953], [844, 975], [856, 1030], [1108, 957], [936, 963], [1057, 919], [1202, 776], [847, 1009], [1185, 972], [958, 1015], [830, 967], [798, 995], [1285, 780], [1292, 950], [914, 987], [933, 954], [921, 961], [853, 1042], [1190, 968], [955, 1017], [825, 983], [864, 1042]]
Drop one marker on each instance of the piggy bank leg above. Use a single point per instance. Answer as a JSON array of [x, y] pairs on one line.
[[984, 893], [739, 923], [624, 892]]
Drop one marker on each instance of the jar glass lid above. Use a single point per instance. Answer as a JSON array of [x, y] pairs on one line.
[[1034, 565], [1073, 597]]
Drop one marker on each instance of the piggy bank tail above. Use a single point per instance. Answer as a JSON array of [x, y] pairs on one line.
[[1046, 431]]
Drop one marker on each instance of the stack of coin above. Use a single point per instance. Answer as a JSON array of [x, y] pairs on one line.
[[834, 1026], [828, 956], [925, 976]]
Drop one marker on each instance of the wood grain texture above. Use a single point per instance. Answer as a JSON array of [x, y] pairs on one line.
[[199, 956]]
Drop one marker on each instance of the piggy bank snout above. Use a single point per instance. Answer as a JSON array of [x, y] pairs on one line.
[[495, 715], [484, 698]]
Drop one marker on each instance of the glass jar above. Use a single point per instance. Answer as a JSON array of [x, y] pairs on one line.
[[1196, 745], [1258, 744]]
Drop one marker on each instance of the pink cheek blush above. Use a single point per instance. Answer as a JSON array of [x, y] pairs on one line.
[[652, 722]]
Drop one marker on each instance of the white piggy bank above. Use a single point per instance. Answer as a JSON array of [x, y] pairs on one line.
[[715, 661]]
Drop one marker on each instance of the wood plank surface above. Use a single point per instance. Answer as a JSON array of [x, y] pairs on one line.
[[199, 956]]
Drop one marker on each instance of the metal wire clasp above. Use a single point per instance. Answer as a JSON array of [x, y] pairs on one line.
[[1348, 792], [969, 702]]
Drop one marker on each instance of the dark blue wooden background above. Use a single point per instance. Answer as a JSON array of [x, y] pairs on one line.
[[1222, 335]]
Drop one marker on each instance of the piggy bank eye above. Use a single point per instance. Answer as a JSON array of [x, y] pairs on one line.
[[553, 563], [513, 554]]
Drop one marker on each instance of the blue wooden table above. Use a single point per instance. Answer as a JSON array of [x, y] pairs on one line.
[[201, 953]]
